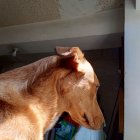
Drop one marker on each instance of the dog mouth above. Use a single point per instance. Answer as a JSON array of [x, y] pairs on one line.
[[95, 124], [83, 121], [86, 119]]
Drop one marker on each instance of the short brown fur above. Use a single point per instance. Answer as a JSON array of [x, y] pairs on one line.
[[33, 97]]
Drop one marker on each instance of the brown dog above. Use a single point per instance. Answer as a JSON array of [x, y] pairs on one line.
[[33, 97]]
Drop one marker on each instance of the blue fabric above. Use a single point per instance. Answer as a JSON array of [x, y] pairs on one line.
[[88, 134]]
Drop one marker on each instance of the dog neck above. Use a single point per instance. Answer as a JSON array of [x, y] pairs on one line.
[[47, 104]]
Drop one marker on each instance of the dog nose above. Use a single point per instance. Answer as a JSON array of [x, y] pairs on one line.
[[103, 125]]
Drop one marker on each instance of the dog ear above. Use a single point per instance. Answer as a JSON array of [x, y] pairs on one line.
[[72, 58]]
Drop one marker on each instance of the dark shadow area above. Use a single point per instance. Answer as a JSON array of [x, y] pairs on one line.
[[134, 3]]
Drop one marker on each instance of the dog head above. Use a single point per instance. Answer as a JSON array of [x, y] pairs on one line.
[[78, 89]]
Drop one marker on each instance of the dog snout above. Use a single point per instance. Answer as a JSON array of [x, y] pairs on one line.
[[98, 123]]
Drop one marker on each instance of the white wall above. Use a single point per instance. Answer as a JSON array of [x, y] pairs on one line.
[[79, 25], [85, 43], [132, 72], [18, 12], [78, 8], [99, 31], [106, 22]]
